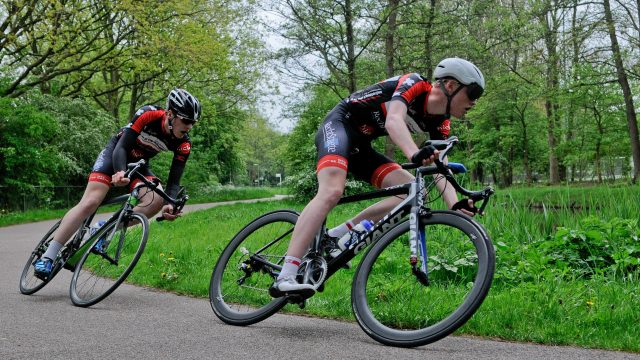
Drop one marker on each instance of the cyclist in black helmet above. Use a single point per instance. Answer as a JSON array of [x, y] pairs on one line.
[[151, 130], [395, 107]]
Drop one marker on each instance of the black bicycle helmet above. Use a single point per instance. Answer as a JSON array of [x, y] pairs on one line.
[[184, 105]]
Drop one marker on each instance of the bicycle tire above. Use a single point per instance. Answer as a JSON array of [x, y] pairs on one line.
[[461, 263], [95, 276], [249, 302], [29, 283]]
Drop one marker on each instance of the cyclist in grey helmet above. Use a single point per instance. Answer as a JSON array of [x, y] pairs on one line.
[[395, 107], [151, 130]]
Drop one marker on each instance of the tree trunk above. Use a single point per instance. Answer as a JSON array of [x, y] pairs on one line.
[[550, 24], [632, 122], [389, 148], [598, 151], [351, 56], [430, 16]]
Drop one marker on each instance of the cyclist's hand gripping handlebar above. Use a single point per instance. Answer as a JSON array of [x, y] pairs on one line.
[[177, 203], [425, 153]]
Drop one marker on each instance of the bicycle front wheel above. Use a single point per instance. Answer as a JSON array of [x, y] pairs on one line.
[[239, 289], [116, 248], [395, 308]]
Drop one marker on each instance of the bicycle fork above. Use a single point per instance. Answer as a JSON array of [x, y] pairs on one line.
[[417, 238]]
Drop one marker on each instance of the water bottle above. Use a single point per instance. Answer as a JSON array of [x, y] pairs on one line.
[[96, 227], [73, 260], [353, 235]]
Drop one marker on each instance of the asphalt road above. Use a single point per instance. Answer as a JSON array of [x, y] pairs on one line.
[[140, 323]]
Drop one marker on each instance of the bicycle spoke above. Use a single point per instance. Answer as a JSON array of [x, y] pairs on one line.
[[101, 271], [247, 268]]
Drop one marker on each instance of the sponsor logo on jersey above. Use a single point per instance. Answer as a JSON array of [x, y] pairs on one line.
[[100, 161], [409, 82], [330, 138], [445, 127], [379, 119], [363, 96], [152, 142], [366, 129], [137, 154], [184, 148]]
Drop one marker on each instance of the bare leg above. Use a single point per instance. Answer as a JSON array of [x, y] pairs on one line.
[[331, 186], [93, 196], [376, 211]]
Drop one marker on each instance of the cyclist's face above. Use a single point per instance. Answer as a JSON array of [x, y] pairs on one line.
[[181, 127], [460, 103]]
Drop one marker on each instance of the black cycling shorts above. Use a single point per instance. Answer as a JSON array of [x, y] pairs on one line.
[[103, 167], [339, 145]]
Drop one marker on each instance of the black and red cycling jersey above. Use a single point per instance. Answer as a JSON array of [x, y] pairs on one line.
[[143, 138], [367, 108], [344, 138]]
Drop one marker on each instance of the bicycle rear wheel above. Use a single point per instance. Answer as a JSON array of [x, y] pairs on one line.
[[394, 308], [29, 283], [100, 271], [239, 289]]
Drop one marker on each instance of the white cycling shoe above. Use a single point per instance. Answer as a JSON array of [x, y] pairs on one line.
[[289, 286]]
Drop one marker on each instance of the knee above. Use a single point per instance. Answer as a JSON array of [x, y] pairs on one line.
[[89, 204], [331, 195], [152, 207]]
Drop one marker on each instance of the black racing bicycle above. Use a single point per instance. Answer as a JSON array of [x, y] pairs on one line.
[[424, 275], [101, 260]]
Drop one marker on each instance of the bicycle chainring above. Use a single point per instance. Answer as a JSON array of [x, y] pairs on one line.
[[313, 270]]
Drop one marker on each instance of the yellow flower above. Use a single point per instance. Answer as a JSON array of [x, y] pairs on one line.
[[590, 303]]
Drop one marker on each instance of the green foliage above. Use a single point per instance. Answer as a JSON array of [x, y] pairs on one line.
[[597, 247], [47, 141], [301, 151]]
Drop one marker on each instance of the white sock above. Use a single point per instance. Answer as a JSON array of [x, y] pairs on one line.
[[290, 267], [52, 250], [340, 230]]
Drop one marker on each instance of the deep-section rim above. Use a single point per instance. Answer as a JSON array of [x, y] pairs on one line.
[[388, 336], [220, 308]]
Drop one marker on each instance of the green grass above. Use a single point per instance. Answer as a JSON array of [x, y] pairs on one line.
[[598, 313], [542, 307], [213, 194]]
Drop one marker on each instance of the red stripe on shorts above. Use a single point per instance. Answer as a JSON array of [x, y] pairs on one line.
[[332, 161], [381, 172], [100, 177]]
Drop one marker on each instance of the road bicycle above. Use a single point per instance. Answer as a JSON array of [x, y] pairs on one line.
[[101, 259], [424, 275]]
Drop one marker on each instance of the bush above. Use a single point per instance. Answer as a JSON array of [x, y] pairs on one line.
[[598, 247], [47, 141]]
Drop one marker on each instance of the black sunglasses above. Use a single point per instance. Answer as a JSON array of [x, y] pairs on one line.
[[187, 121], [474, 91]]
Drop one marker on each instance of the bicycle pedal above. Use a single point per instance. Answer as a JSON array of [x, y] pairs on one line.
[[297, 300]]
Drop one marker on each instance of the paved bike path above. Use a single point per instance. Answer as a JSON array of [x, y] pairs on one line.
[[142, 323]]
